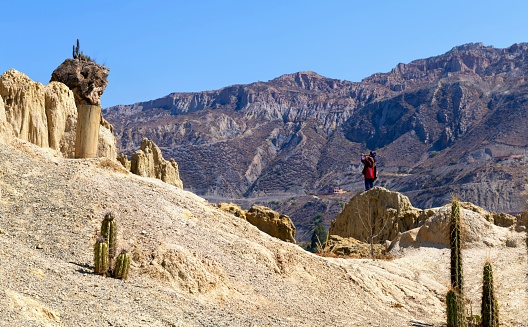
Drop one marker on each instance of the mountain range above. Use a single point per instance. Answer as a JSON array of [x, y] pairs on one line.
[[452, 125]]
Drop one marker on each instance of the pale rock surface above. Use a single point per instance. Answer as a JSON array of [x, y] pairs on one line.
[[30, 309], [61, 115], [24, 102], [271, 222], [148, 162], [107, 143], [6, 130], [377, 213], [476, 230]]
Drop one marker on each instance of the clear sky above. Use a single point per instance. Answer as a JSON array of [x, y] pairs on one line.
[[157, 47]]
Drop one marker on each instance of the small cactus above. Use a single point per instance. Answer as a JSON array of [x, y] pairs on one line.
[[490, 308], [122, 265], [109, 232], [101, 256]]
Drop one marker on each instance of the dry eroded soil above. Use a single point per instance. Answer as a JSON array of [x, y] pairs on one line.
[[196, 266]]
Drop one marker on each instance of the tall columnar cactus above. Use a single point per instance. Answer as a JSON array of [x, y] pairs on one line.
[[109, 232], [490, 308], [101, 256], [455, 244], [75, 53], [457, 283], [122, 265], [454, 316]]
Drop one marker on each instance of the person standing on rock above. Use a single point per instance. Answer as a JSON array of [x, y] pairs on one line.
[[369, 169]]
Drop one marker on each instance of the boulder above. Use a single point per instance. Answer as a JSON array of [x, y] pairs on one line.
[[476, 230], [378, 214], [350, 247], [272, 223], [503, 219], [233, 209], [148, 162], [85, 78]]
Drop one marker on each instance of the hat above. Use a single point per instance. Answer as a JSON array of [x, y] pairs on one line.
[[372, 153]]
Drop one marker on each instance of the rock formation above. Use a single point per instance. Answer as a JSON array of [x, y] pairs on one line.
[[85, 78], [378, 215], [148, 162], [271, 222], [265, 219], [477, 230], [44, 115], [123, 159], [61, 115], [6, 130], [233, 209], [25, 107], [88, 81], [350, 247]]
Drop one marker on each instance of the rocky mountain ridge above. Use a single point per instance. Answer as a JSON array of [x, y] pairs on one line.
[[450, 124]]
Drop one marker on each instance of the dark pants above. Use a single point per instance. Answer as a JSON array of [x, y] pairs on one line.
[[369, 183]]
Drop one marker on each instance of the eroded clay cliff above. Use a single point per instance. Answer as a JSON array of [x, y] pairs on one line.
[[45, 115]]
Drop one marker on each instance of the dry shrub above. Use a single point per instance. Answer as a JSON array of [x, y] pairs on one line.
[[111, 164]]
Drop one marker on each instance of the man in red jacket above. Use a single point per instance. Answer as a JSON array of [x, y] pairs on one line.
[[369, 169]]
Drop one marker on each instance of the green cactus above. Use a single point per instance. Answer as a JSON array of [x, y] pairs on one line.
[[457, 282], [75, 52], [109, 232], [453, 312], [455, 243], [490, 308], [122, 265], [101, 256]]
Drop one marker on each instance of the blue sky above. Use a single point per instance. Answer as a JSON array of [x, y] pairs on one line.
[[154, 48]]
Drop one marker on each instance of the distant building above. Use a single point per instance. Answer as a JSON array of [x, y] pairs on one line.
[[336, 190]]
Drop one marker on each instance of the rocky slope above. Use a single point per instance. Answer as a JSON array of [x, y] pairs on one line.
[[451, 124], [194, 265]]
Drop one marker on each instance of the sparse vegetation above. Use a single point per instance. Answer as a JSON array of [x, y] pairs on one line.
[[112, 165], [318, 238], [122, 265], [108, 231], [369, 224], [101, 256], [105, 250], [455, 296], [79, 55], [490, 308], [454, 315]]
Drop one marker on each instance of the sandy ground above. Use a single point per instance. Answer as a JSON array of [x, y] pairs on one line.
[[194, 265]]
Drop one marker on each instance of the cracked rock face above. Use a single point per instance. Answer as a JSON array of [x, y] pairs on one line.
[[86, 79]]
